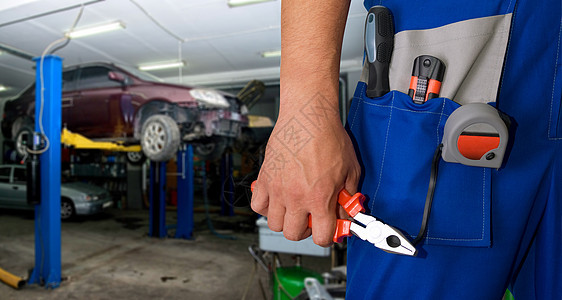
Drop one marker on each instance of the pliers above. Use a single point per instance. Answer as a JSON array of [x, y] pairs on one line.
[[367, 227]]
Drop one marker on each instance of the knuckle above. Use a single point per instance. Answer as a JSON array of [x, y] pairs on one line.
[[274, 223], [291, 236], [257, 206], [322, 241], [275, 227]]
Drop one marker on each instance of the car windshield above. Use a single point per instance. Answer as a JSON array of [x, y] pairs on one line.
[[140, 74]]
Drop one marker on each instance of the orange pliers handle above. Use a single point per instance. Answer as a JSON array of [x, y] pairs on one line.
[[352, 204]]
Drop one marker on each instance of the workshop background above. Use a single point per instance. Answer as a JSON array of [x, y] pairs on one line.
[[136, 243]]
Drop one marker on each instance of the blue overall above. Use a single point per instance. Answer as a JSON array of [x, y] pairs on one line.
[[489, 229]]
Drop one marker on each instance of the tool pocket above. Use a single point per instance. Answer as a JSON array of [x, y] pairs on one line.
[[397, 140], [473, 52]]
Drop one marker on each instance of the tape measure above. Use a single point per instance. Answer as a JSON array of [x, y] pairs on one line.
[[476, 134]]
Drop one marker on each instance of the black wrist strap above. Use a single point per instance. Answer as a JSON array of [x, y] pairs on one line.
[[430, 192]]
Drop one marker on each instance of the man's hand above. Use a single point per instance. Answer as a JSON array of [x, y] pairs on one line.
[[309, 157], [305, 168]]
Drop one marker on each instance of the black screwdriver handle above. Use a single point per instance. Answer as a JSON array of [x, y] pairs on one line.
[[379, 43]]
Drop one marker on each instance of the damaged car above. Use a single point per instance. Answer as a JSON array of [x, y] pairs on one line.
[[109, 102]]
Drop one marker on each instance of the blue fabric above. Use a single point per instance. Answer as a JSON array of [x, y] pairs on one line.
[[522, 243], [402, 154]]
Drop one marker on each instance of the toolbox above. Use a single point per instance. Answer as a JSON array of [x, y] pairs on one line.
[[276, 242]]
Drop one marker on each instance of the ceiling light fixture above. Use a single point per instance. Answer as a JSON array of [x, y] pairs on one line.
[[87, 31], [268, 54], [13, 4], [3, 88], [160, 66], [235, 3]]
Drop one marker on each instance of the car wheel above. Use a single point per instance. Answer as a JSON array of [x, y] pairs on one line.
[[67, 210], [211, 150], [136, 158], [160, 138], [21, 140]]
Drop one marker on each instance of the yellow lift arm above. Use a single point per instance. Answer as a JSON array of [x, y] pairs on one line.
[[79, 141]]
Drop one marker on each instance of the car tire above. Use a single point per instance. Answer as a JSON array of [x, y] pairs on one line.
[[19, 123], [21, 140], [67, 210], [160, 138], [136, 158], [211, 150]]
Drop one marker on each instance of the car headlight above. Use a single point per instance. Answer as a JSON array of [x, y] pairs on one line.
[[244, 110], [209, 98], [90, 198]]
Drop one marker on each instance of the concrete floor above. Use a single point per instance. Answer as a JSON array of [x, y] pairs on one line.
[[109, 256]]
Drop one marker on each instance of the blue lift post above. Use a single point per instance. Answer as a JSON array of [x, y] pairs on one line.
[[184, 228], [157, 192], [47, 268], [227, 186]]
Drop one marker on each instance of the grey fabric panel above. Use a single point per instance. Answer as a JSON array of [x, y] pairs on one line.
[[473, 52]]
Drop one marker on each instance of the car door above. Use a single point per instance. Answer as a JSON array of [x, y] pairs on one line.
[[19, 187], [5, 173], [94, 104], [12, 194]]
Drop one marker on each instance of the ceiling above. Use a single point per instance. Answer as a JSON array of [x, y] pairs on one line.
[[219, 44]]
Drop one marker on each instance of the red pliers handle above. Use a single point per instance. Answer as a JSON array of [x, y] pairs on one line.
[[352, 204], [367, 227]]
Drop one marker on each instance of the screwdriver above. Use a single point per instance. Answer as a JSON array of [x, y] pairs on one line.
[[379, 43]]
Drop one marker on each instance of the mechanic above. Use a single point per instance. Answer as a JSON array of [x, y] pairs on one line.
[[508, 234]]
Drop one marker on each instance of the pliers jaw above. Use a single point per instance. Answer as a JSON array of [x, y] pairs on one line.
[[381, 235]]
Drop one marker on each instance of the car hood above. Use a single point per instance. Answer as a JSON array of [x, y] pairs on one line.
[[84, 188]]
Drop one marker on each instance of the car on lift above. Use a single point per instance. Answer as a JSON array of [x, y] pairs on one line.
[[109, 102], [77, 198]]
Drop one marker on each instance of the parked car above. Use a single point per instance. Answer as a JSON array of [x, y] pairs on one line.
[[77, 198], [108, 102]]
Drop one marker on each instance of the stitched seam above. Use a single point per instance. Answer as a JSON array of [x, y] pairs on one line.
[[507, 52], [383, 154], [452, 239], [357, 108], [437, 141], [483, 203], [508, 6], [554, 85], [501, 59], [439, 123], [404, 109]]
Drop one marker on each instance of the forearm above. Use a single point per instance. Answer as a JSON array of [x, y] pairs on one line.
[[311, 41], [309, 156]]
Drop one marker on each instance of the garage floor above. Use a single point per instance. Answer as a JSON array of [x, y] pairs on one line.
[[109, 256]]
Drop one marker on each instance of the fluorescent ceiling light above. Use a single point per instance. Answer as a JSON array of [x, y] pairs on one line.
[[268, 54], [3, 88], [235, 3], [5, 5], [160, 66], [82, 32]]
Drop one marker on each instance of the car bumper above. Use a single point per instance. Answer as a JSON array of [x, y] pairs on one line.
[[94, 207], [224, 123]]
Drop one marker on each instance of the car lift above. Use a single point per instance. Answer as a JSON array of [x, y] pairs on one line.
[[227, 185], [81, 142], [47, 268], [157, 184], [157, 196]]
